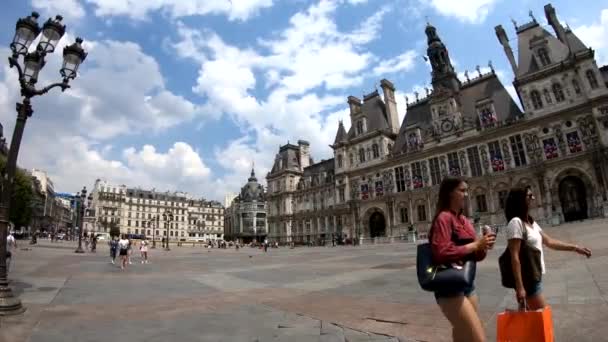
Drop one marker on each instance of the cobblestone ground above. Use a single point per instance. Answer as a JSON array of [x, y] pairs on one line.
[[366, 293]]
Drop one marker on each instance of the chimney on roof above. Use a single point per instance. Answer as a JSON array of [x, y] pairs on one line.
[[304, 153], [354, 104], [391, 105], [504, 41], [557, 27]]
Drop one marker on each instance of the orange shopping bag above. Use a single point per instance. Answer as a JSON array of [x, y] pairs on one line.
[[525, 326]]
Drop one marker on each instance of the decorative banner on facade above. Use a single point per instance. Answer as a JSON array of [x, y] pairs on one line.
[[550, 148], [454, 170], [574, 142], [418, 183], [364, 191], [497, 163], [379, 188], [487, 117]]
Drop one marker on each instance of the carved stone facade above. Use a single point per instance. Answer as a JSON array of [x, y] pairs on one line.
[[557, 145]]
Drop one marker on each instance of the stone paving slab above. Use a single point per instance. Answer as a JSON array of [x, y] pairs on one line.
[[366, 293]]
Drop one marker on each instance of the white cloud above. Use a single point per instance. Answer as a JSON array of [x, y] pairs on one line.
[[303, 68], [69, 9], [596, 36], [356, 2], [137, 9], [70, 134], [471, 11], [403, 62]]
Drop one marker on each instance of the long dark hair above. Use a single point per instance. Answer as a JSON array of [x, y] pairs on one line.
[[448, 185], [517, 206]]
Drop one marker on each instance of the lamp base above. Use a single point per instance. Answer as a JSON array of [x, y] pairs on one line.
[[79, 250], [9, 304]]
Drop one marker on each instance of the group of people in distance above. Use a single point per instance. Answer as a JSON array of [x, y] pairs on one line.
[[454, 241], [124, 247]]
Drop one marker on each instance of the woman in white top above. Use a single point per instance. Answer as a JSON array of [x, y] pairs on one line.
[[517, 208], [123, 247], [143, 250]]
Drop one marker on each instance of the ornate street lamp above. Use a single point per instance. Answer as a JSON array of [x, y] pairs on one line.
[[168, 218], [80, 217], [26, 31]]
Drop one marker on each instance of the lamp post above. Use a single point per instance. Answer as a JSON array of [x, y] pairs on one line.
[[80, 217], [168, 218], [157, 219], [26, 31]]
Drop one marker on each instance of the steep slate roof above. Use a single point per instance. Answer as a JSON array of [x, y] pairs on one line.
[[486, 87], [527, 34], [326, 166], [288, 158], [341, 134], [575, 44], [374, 109]]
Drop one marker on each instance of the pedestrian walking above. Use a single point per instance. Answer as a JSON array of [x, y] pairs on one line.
[[113, 243], [453, 242], [143, 250], [93, 243], [11, 244], [86, 242], [524, 255], [130, 251], [123, 246]]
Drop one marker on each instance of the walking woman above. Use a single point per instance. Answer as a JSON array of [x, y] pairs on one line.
[[123, 246], [453, 241], [143, 250], [517, 212]]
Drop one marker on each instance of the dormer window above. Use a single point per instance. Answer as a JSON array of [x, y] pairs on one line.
[[543, 57], [360, 127], [558, 92], [339, 161], [591, 78], [361, 155], [487, 116], [537, 101]]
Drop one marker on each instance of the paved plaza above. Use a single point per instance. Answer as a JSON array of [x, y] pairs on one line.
[[366, 293]]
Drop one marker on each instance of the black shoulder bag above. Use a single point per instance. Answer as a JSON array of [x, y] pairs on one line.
[[442, 277], [529, 259]]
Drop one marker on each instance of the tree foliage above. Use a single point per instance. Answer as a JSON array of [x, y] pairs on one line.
[[22, 197]]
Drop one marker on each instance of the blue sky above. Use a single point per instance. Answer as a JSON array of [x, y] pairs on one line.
[[186, 95]]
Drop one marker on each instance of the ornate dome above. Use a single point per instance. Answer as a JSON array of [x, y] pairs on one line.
[[252, 191]]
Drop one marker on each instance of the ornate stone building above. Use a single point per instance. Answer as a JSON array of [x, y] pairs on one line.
[[139, 211], [386, 176], [245, 219]]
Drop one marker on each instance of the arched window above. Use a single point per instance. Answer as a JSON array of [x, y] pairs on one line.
[[537, 102], [375, 151], [361, 155], [547, 96], [591, 78], [558, 92], [576, 86], [339, 161], [359, 127], [543, 56]]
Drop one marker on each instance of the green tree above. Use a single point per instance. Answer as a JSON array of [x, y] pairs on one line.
[[22, 197]]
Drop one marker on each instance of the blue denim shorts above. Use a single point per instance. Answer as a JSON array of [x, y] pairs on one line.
[[448, 293], [534, 289]]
